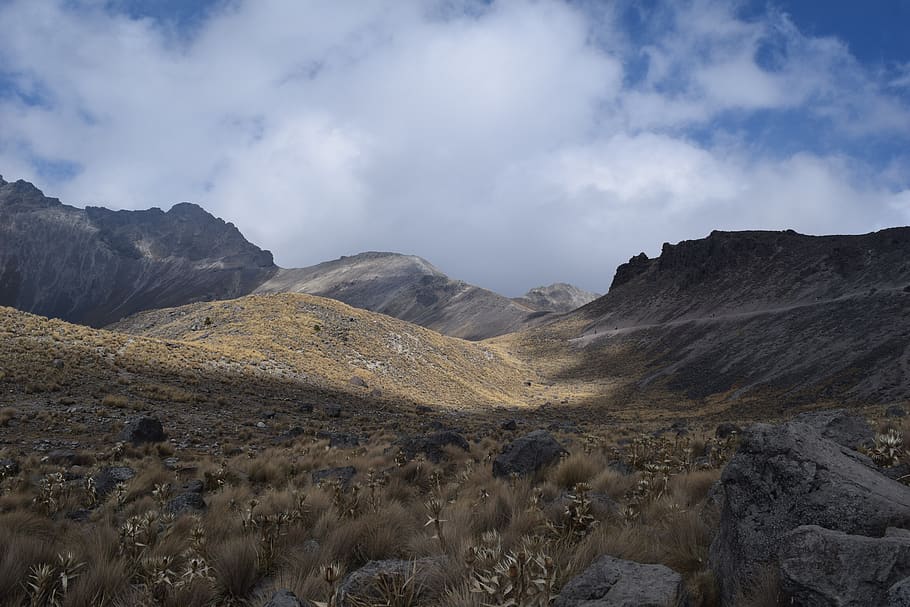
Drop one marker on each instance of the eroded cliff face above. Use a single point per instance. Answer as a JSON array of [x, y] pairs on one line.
[[96, 266]]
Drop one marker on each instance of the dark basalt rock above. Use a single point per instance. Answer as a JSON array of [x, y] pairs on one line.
[[142, 430], [186, 503], [342, 474], [528, 454], [612, 582], [363, 586], [284, 598], [786, 476], [432, 446]]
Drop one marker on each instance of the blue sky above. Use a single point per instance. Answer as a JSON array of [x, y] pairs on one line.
[[512, 143]]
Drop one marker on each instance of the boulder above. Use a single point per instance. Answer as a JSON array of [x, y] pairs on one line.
[[343, 474], [612, 582], [331, 410], [284, 598], [364, 586], [895, 411], [824, 568], [899, 594], [528, 454], [141, 430], [432, 445], [358, 381], [62, 457], [509, 425], [841, 426], [186, 503], [107, 479], [8, 467], [786, 476]]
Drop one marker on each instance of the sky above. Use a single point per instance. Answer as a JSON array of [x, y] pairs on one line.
[[511, 143]]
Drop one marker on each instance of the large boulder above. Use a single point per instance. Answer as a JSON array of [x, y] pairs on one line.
[[899, 594], [824, 568], [284, 598], [528, 454], [841, 426], [342, 475], [141, 430], [107, 479], [186, 503], [380, 581], [786, 476], [612, 582], [432, 445]]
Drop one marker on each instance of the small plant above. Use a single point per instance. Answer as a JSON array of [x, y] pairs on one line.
[[434, 507], [52, 493], [888, 449], [48, 584], [523, 579], [331, 574]]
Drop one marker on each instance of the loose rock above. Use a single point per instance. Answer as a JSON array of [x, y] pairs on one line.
[[142, 430], [528, 454], [612, 582]]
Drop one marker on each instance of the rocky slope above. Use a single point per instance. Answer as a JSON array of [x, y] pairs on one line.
[[559, 297], [95, 266], [775, 319], [411, 289]]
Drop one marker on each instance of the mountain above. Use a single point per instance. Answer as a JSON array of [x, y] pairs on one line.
[[408, 288], [775, 319], [559, 297], [95, 266]]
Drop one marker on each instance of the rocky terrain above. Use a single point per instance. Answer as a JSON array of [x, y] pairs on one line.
[[736, 321], [94, 266], [412, 289]]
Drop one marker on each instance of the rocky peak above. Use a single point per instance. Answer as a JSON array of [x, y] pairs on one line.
[[22, 196], [558, 297]]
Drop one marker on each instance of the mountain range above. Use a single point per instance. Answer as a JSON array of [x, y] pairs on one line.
[[96, 266]]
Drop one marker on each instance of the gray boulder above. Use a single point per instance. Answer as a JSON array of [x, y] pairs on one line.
[[824, 568], [284, 598], [141, 430], [107, 479], [726, 429], [841, 426], [612, 582], [786, 476], [186, 503], [339, 440], [366, 585], [432, 445], [895, 411], [899, 594], [528, 454]]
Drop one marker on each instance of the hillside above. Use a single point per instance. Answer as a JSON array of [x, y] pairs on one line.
[[95, 266], [740, 320], [409, 288]]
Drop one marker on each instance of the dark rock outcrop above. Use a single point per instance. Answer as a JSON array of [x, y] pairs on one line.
[[612, 582], [528, 454], [841, 426], [284, 598], [824, 568], [107, 479], [186, 503], [364, 586], [786, 476], [141, 430], [432, 446]]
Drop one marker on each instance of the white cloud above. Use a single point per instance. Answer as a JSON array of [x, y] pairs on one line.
[[505, 143]]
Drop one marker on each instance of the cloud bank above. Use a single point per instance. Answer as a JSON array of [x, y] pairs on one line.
[[511, 143]]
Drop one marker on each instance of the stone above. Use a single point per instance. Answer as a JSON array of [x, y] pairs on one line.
[[363, 586], [141, 430], [284, 598], [107, 479], [186, 503], [895, 411], [433, 446], [786, 476], [612, 582], [423, 409], [528, 454], [305, 408], [342, 474], [358, 381], [260, 425], [331, 410], [820, 567], [509, 425], [727, 429], [841, 426], [193, 486], [899, 594]]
